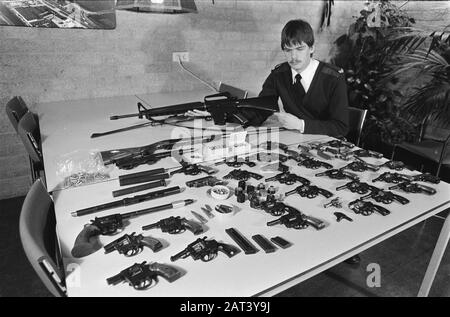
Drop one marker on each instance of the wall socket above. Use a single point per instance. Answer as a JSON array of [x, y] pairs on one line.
[[183, 56]]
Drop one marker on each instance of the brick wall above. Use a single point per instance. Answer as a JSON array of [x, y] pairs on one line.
[[234, 41]]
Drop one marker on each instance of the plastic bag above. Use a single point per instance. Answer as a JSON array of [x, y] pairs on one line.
[[81, 167]]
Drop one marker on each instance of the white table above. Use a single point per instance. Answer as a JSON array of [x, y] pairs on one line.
[[66, 127], [243, 275]]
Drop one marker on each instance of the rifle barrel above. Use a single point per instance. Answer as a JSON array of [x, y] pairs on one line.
[[175, 204], [128, 201]]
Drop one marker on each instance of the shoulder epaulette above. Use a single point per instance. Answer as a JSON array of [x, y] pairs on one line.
[[279, 67], [332, 70]]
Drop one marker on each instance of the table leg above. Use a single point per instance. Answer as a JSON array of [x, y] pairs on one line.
[[436, 258]]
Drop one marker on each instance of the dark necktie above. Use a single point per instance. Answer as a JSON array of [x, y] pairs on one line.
[[299, 92], [298, 87]]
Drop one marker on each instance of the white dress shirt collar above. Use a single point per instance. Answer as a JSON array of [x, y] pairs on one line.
[[307, 74]]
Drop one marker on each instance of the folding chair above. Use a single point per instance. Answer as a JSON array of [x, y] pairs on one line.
[[28, 130], [433, 146], [356, 119], [15, 110], [37, 228], [233, 91]]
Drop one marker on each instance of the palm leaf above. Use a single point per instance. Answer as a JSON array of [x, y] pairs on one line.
[[409, 39], [432, 99]]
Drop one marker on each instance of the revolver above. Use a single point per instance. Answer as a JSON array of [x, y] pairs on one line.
[[309, 191], [395, 178], [394, 165], [275, 208], [193, 169], [175, 225], [338, 174], [367, 153], [142, 275], [357, 187], [343, 154], [385, 197], [361, 166], [130, 244], [314, 164], [205, 250], [205, 181], [242, 175], [414, 188], [426, 177], [367, 208], [297, 220], [339, 144], [288, 179]]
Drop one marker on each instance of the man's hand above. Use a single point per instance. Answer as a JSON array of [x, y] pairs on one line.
[[289, 121]]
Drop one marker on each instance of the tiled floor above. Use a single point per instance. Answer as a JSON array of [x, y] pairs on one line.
[[402, 260]]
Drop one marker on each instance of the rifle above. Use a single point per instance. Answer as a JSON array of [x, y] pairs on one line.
[[142, 275], [221, 106], [127, 158], [163, 173], [128, 201], [130, 244], [175, 225], [206, 250], [107, 225]]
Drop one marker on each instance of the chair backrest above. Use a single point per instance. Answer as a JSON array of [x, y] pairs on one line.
[[432, 131], [28, 130], [15, 110], [233, 91], [356, 119], [37, 228]]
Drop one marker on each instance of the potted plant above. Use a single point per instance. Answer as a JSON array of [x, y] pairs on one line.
[[367, 62]]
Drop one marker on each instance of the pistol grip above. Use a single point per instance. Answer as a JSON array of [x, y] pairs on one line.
[[87, 242], [193, 227], [154, 244], [170, 273], [316, 223]]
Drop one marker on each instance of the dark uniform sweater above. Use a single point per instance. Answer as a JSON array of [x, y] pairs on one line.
[[324, 108]]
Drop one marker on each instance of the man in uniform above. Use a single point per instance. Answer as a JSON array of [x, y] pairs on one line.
[[313, 93]]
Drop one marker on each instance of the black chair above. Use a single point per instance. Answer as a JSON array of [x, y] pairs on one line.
[[16, 108], [356, 119], [233, 91], [432, 147], [37, 228], [28, 130]]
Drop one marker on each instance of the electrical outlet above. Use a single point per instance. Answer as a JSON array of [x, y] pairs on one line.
[[183, 56]]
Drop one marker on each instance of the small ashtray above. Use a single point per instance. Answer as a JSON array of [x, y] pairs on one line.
[[220, 192]]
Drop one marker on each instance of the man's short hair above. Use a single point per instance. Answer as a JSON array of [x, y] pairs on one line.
[[295, 32]]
